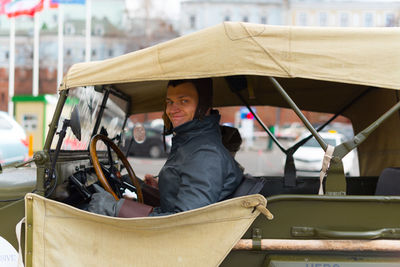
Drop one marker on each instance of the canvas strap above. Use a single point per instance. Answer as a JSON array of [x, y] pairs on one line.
[[255, 204], [325, 166], [18, 228]]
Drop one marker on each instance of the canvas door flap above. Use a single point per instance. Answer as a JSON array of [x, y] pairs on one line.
[[66, 236]]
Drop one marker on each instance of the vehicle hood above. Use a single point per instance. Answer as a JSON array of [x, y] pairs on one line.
[[15, 183]]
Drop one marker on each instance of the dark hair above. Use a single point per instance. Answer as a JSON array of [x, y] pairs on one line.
[[204, 88]]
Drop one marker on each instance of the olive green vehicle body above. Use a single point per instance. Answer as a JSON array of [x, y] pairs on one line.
[[319, 70]]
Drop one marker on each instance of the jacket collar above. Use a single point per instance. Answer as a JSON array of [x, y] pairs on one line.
[[196, 126]]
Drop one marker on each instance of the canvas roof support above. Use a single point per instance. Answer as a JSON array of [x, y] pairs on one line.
[[239, 83], [336, 184]]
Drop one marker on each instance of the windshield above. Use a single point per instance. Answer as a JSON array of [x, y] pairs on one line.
[[89, 103]]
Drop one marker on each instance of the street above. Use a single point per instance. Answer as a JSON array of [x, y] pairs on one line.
[[256, 161]]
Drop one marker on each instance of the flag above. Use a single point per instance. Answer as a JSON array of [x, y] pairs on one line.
[[78, 2], [3, 5], [17, 8], [50, 4]]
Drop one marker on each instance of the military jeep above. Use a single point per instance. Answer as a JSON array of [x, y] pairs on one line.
[[331, 220]]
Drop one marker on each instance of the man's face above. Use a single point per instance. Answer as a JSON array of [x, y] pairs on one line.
[[181, 103]]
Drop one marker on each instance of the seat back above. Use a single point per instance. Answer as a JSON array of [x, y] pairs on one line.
[[389, 182], [249, 186]]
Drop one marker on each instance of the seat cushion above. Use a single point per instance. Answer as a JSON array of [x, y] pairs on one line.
[[389, 182]]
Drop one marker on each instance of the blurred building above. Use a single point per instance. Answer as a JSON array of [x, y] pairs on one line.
[[199, 14], [344, 13], [106, 41], [114, 31]]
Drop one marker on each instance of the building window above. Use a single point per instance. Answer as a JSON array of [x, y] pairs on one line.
[[93, 52], [369, 20], [99, 30], [7, 55], [227, 18], [344, 20], [356, 20], [245, 19], [110, 52], [390, 20], [192, 21], [302, 19], [68, 52], [69, 29], [323, 19], [263, 20]]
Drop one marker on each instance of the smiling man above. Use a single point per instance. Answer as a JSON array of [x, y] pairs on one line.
[[199, 170]]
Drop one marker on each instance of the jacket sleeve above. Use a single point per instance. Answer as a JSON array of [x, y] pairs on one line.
[[201, 180]]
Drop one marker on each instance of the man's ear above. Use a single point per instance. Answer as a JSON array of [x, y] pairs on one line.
[[167, 122]]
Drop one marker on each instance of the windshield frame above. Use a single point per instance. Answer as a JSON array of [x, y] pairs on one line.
[[107, 92]]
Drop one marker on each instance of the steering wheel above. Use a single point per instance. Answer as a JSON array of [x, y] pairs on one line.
[[98, 169]]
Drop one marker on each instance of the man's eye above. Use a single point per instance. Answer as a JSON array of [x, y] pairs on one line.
[[184, 101]]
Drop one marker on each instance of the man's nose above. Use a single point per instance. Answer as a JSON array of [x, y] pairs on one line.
[[174, 107]]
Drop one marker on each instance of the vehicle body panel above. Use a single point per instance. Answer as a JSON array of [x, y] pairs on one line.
[[355, 215], [357, 218]]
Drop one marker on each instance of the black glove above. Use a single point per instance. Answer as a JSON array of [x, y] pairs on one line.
[[104, 203]]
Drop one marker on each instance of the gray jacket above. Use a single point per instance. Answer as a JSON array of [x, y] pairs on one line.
[[199, 170]]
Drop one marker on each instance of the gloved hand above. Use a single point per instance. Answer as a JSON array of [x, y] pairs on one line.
[[104, 203]]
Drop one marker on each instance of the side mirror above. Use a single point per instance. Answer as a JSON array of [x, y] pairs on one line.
[[75, 123], [139, 133]]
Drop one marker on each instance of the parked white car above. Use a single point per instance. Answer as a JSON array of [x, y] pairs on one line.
[[13, 143], [308, 158], [290, 131]]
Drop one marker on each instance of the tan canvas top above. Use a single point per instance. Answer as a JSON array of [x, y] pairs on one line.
[[322, 69], [363, 56]]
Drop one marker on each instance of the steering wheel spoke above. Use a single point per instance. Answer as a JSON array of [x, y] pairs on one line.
[[112, 171]]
